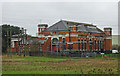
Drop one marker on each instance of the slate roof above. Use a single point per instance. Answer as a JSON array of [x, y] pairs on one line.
[[82, 28], [59, 26], [63, 25]]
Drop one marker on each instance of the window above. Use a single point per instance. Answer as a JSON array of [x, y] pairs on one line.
[[78, 44], [82, 44], [90, 45], [98, 45], [63, 40], [54, 41], [95, 45], [64, 45], [85, 44]]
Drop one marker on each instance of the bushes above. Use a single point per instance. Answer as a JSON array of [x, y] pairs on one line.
[[115, 47]]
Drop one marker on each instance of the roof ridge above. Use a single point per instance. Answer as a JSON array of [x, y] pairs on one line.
[[77, 22]]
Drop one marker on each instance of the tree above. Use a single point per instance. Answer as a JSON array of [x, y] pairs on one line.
[[14, 30]]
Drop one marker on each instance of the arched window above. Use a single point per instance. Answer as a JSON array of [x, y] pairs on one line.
[[63, 40], [55, 44], [55, 40]]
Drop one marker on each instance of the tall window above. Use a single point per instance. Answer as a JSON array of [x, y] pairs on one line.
[[85, 44], [82, 44], [98, 45], [78, 44], [95, 44], [90, 44], [64, 46]]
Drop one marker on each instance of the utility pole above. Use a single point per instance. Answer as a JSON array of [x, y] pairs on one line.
[[0, 50], [10, 38], [18, 40], [21, 42], [25, 38], [7, 40]]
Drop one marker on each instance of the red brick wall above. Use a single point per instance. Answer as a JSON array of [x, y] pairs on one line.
[[108, 44], [47, 45]]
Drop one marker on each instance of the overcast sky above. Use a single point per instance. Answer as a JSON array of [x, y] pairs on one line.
[[29, 14]]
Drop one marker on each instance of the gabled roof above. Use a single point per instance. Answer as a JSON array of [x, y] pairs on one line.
[[63, 25], [59, 26]]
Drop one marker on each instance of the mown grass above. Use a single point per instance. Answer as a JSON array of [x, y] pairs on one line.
[[59, 65]]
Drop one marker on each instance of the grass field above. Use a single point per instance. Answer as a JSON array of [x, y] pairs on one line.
[[59, 65]]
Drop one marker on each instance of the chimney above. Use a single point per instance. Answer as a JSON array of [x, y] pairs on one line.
[[42, 27], [108, 31]]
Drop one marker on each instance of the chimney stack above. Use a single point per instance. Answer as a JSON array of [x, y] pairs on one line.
[[42, 27], [108, 31]]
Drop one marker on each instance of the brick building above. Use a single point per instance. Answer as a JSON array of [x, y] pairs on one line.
[[67, 36], [74, 36]]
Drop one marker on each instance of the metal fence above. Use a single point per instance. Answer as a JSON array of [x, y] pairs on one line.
[[65, 53]]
